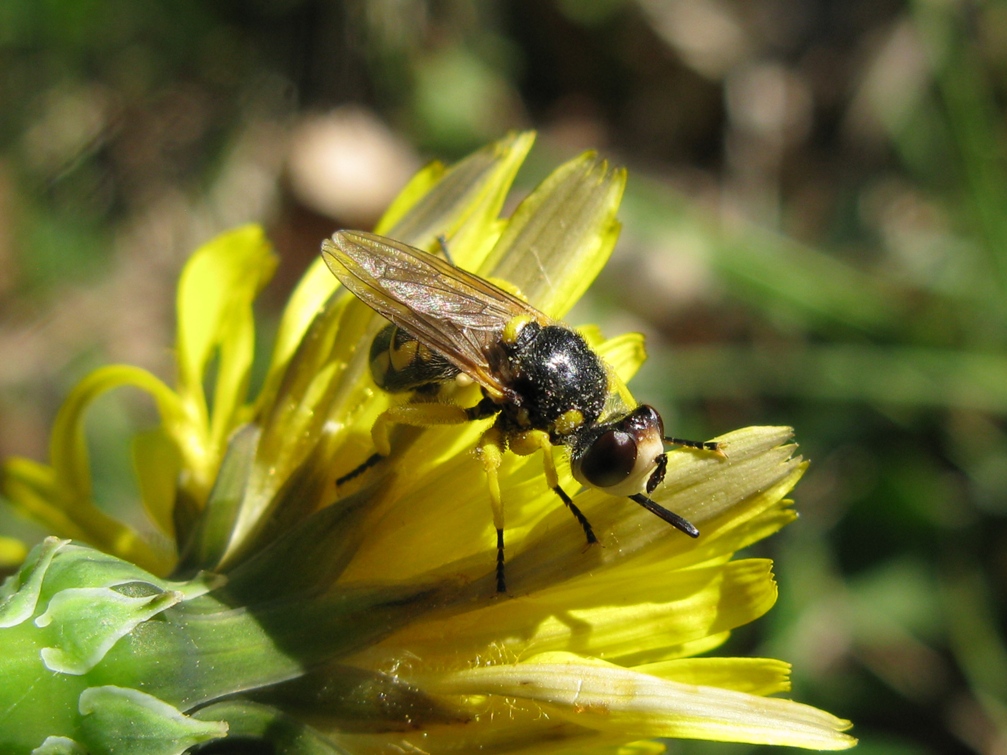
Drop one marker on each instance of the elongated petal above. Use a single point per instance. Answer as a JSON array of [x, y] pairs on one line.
[[757, 676], [625, 354], [67, 448], [699, 486], [32, 488], [465, 202], [561, 235], [60, 496], [215, 297], [158, 464], [12, 553], [598, 695], [634, 619]]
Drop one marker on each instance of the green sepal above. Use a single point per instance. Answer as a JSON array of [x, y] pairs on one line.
[[252, 722], [118, 720], [60, 746], [357, 700], [20, 592], [87, 621], [87, 605], [116, 624], [213, 530], [76, 566], [308, 558]]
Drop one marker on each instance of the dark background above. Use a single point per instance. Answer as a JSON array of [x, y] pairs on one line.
[[815, 234]]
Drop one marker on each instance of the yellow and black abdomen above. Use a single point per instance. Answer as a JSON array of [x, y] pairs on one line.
[[400, 363]]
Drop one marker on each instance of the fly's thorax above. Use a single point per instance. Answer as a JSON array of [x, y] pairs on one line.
[[399, 363], [623, 457], [559, 384]]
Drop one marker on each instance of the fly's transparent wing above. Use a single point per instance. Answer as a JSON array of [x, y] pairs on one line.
[[454, 313]]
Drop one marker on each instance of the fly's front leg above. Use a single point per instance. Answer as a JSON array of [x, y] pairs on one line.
[[530, 441]]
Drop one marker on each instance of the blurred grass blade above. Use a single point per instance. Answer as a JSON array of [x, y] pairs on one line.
[[773, 272], [853, 373]]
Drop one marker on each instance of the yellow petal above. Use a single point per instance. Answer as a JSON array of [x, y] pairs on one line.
[[323, 390], [756, 676], [215, 295], [630, 617], [67, 449], [60, 496], [625, 354], [545, 546], [465, 202], [32, 489], [602, 696], [12, 553], [716, 494], [419, 186], [560, 237], [158, 464]]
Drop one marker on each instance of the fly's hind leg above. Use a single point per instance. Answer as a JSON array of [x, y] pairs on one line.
[[491, 448], [371, 461], [415, 415]]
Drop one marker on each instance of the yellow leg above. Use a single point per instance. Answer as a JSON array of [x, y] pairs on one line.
[[535, 440], [491, 448], [415, 415], [530, 441]]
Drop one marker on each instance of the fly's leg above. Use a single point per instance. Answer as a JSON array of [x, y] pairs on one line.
[[491, 448], [529, 442], [415, 415], [699, 445], [371, 461]]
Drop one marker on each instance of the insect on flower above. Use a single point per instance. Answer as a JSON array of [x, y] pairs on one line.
[[539, 378]]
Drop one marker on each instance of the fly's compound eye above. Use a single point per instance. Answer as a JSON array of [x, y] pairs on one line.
[[626, 457], [609, 460]]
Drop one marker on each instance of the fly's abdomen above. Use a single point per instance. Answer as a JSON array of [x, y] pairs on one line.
[[400, 363]]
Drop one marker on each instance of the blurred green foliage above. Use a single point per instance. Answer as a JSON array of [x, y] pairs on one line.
[[815, 234]]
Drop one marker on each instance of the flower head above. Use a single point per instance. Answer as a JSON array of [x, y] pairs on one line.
[[364, 617]]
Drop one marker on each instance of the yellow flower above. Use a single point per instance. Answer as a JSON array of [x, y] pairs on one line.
[[365, 618]]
